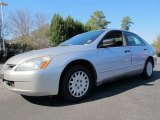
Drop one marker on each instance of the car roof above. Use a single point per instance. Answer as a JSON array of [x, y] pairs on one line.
[[107, 30], [116, 29]]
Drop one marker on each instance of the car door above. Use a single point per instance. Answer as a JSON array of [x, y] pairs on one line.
[[114, 60], [138, 49]]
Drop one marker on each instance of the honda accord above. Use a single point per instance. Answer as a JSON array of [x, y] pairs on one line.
[[75, 66]]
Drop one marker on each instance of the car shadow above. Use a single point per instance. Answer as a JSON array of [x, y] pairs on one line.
[[103, 91]]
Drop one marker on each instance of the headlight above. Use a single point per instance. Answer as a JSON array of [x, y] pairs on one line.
[[34, 64]]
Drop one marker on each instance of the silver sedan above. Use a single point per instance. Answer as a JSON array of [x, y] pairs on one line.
[[74, 67]]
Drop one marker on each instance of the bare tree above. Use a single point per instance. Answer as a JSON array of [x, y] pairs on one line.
[[41, 33], [22, 26], [40, 20], [21, 23], [31, 31], [40, 37], [156, 44], [6, 29]]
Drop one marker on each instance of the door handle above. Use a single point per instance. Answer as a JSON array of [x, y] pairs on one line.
[[127, 51], [145, 49]]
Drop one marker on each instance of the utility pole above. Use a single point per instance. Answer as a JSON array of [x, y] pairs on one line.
[[2, 4]]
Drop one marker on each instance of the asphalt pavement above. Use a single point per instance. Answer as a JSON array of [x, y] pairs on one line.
[[127, 99]]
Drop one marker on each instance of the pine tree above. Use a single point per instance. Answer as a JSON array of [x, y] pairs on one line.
[[97, 21], [80, 28], [70, 27], [57, 30], [126, 23]]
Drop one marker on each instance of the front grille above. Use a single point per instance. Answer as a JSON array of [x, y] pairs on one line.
[[9, 66]]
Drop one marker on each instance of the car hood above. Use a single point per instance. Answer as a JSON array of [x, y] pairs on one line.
[[54, 51]]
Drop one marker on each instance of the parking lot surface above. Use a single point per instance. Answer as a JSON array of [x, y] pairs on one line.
[[127, 99]]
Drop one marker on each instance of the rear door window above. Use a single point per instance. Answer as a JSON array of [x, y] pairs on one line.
[[133, 39]]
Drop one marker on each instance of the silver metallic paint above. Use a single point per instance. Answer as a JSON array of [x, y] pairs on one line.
[[108, 62]]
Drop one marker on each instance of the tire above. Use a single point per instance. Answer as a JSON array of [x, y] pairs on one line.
[[148, 69], [76, 83]]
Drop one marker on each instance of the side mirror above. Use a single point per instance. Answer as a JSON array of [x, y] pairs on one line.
[[108, 43]]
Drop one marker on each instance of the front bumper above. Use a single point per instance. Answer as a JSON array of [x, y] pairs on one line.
[[33, 83]]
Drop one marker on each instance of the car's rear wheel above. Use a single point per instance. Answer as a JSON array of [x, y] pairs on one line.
[[76, 83], [148, 69]]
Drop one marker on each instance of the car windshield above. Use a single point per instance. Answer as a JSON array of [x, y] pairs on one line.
[[83, 39]]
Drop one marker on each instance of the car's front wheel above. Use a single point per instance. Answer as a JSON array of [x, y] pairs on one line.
[[148, 69], [76, 83]]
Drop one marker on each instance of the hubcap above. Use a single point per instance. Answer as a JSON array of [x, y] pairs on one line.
[[78, 84], [149, 68]]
